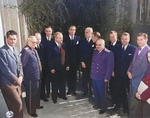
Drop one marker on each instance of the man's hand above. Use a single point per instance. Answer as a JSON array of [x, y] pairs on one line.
[[19, 80], [138, 95], [129, 75], [113, 74], [83, 65], [67, 68], [105, 80], [53, 71]]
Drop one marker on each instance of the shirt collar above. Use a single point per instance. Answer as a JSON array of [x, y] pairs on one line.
[[143, 47], [71, 37], [57, 43], [48, 37], [10, 47], [125, 46], [114, 43]]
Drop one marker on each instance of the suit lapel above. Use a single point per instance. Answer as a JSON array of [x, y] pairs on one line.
[[56, 48], [143, 52], [11, 53], [98, 55]]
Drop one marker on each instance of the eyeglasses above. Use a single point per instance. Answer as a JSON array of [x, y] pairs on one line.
[[33, 42], [98, 44]]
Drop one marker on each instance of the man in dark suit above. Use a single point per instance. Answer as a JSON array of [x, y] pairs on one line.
[[57, 56], [123, 57], [11, 75], [31, 68], [85, 51], [40, 49], [111, 46], [137, 70], [72, 43], [46, 43]]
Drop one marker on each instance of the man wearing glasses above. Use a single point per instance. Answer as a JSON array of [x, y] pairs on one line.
[[31, 68]]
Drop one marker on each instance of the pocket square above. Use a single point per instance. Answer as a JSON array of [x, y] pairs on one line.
[[92, 45], [77, 43], [129, 54]]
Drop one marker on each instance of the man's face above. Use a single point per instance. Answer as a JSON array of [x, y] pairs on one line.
[[72, 31], [113, 37], [88, 33], [100, 45], [48, 32], [141, 41], [38, 37], [59, 38], [94, 38], [32, 42], [125, 40], [11, 40]]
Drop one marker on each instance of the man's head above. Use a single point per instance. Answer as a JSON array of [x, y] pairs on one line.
[[125, 38], [113, 36], [72, 30], [88, 32], [38, 37], [11, 38], [95, 36], [100, 44], [48, 31], [32, 41], [58, 37], [142, 39]]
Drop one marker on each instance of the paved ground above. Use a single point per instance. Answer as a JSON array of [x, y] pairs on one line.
[[75, 107]]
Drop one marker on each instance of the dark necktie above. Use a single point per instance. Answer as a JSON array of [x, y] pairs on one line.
[[123, 47]]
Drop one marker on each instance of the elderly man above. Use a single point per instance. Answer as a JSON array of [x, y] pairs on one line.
[[11, 75], [42, 55], [101, 70], [85, 52], [31, 68]]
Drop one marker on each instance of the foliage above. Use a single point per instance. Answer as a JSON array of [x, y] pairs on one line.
[[101, 15]]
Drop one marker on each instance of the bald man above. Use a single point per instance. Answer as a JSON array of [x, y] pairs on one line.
[[85, 52], [31, 68], [101, 70], [42, 55]]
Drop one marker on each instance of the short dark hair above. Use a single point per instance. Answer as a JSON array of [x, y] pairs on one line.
[[11, 32], [71, 26], [48, 27]]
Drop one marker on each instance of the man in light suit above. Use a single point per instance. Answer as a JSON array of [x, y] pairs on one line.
[[137, 70], [123, 57], [11, 75], [72, 42]]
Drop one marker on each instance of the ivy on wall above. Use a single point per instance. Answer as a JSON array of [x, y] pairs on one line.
[[101, 15]]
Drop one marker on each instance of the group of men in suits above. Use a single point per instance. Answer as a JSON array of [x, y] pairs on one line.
[[55, 59]]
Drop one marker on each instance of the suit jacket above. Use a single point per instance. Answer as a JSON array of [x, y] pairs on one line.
[[42, 56], [123, 58], [10, 67], [86, 51], [72, 49], [31, 64], [111, 47], [102, 64], [54, 56], [139, 65]]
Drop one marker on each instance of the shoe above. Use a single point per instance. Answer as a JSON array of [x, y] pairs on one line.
[[101, 112], [40, 107], [54, 101], [125, 111], [64, 98], [116, 107], [84, 94], [74, 93], [45, 100], [34, 115], [68, 93], [96, 107]]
